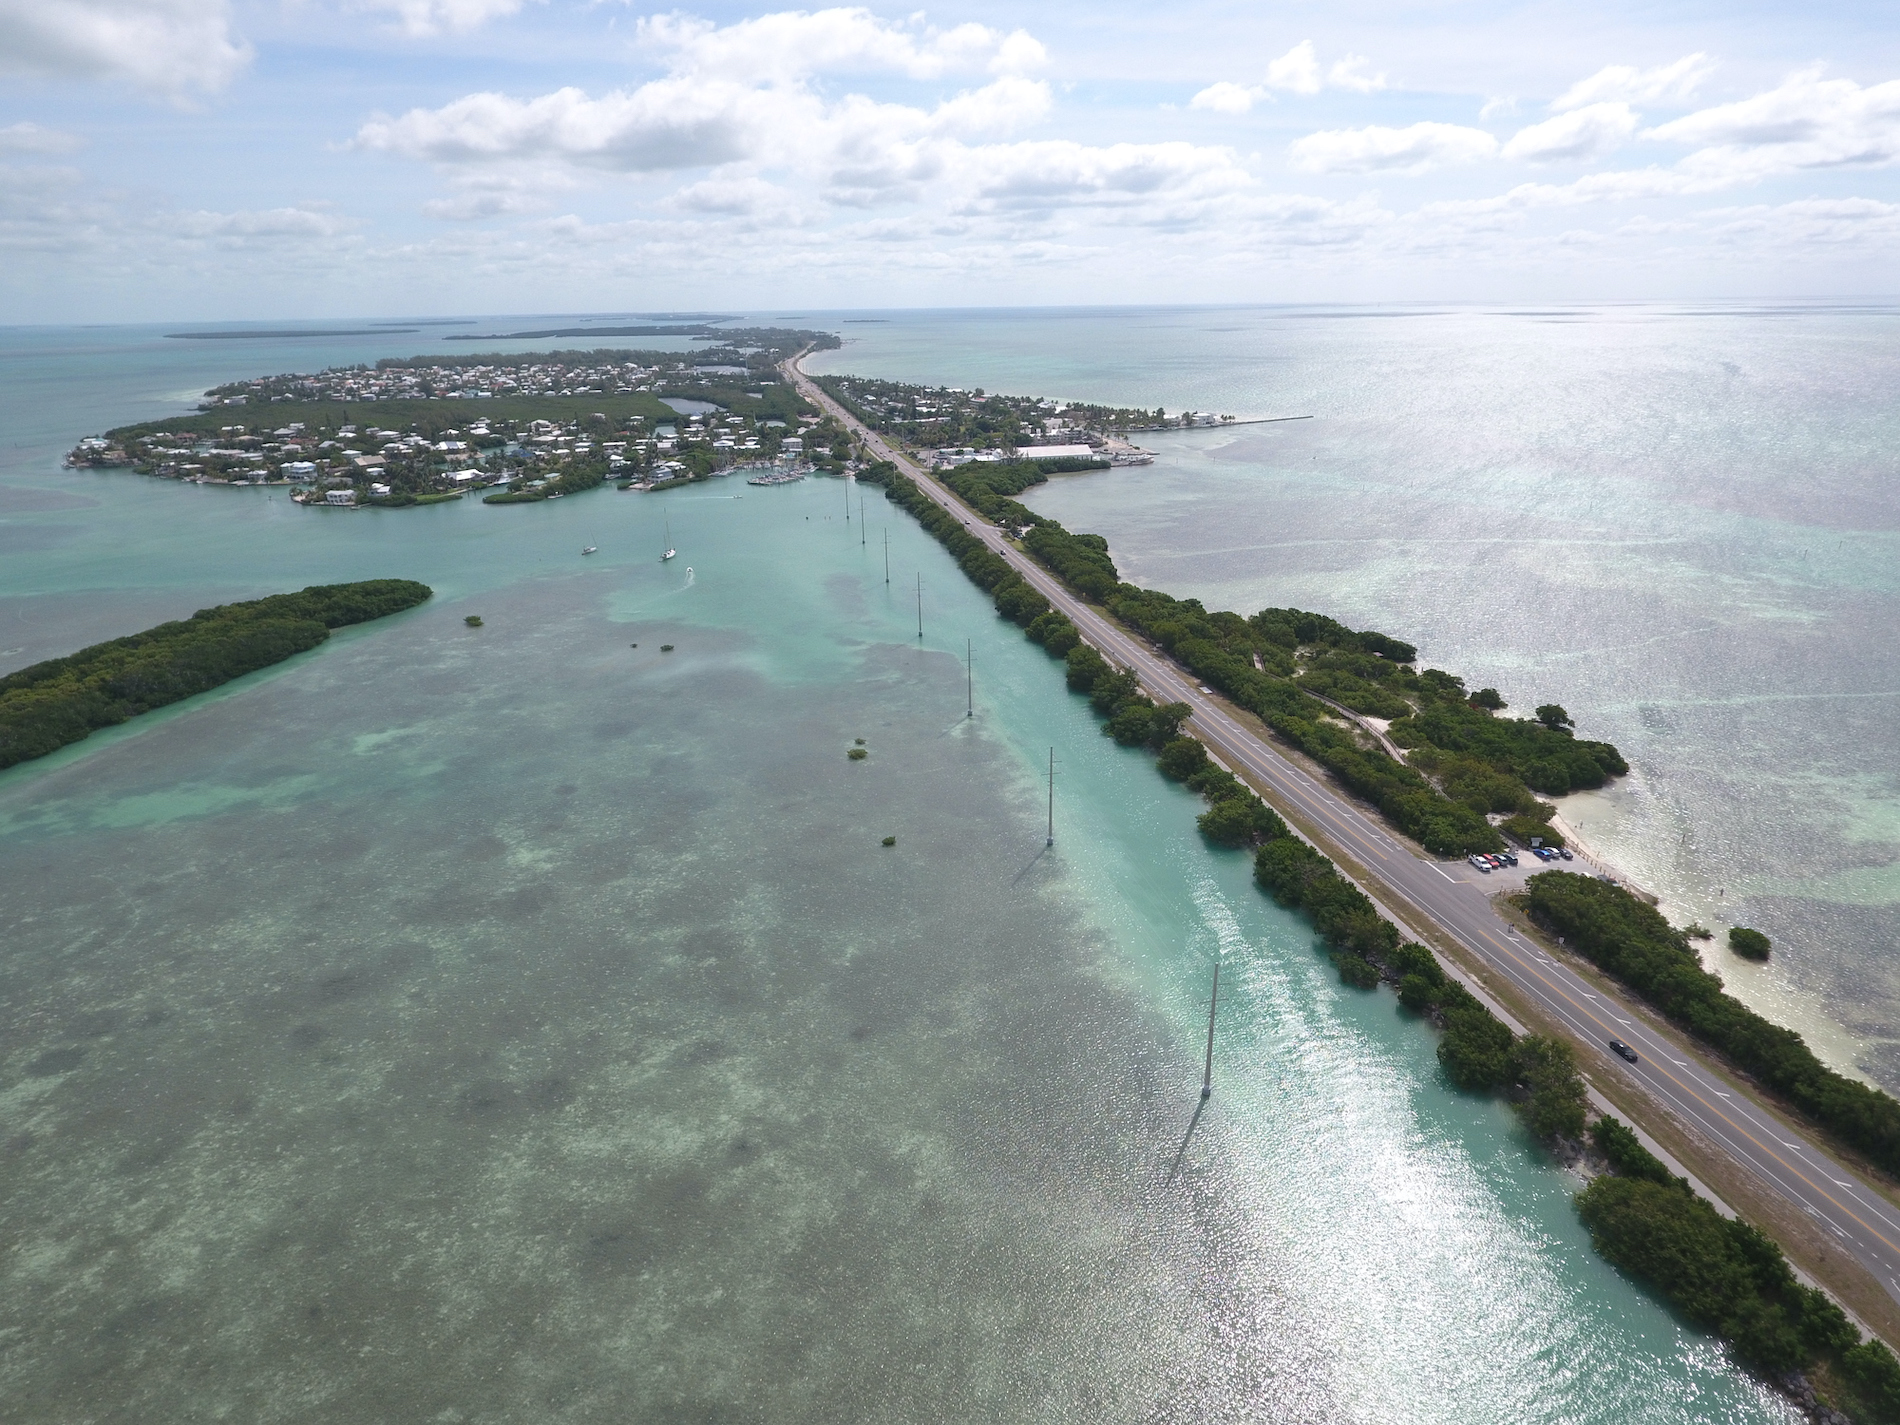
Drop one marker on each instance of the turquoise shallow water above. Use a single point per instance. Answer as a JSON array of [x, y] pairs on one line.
[[1679, 523], [514, 1024]]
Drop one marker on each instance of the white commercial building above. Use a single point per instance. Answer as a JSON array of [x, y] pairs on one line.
[[1055, 452]]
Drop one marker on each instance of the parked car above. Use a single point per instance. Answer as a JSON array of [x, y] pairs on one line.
[[1564, 851], [1620, 1047], [1479, 862]]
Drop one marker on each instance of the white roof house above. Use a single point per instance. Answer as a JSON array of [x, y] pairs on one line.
[[1055, 452]]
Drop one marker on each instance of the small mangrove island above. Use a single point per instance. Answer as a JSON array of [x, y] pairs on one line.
[[64, 700]]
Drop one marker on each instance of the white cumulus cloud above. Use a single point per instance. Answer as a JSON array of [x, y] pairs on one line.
[[1350, 73], [1806, 122], [1298, 71], [1411, 150], [796, 43], [1623, 83], [1063, 173], [174, 47], [1226, 97], [1580, 134]]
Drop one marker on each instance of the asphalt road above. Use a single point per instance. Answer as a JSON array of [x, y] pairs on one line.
[[1865, 1225]]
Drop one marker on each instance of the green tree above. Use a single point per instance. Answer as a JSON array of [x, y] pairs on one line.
[[1553, 717], [1548, 1068]]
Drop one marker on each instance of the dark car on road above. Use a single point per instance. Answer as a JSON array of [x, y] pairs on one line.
[[1623, 1049]]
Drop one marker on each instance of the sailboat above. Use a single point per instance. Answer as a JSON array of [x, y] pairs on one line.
[[670, 550], [590, 549]]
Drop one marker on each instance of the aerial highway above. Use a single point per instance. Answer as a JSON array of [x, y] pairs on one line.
[[1788, 1162]]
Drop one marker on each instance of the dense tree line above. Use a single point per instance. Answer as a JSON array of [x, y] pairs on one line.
[[1545, 757], [1726, 1277], [1631, 941], [61, 701]]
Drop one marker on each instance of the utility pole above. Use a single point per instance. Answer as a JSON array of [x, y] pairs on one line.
[[1207, 1074], [847, 499], [920, 603], [969, 670], [887, 556], [864, 536], [1052, 798]]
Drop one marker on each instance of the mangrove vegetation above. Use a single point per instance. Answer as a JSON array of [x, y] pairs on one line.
[[63, 700]]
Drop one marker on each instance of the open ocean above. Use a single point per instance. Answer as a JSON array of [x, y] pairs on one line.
[[513, 1024]]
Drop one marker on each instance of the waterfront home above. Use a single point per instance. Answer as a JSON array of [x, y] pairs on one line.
[[298, 469], [339, 497]]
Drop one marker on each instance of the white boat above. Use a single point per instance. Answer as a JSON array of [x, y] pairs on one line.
[[590, 549], [670, 550]]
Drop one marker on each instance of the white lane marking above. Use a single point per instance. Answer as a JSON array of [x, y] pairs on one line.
[[1452, 879], [1720, 1094]]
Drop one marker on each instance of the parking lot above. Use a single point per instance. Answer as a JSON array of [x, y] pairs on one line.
[[1509, 871]]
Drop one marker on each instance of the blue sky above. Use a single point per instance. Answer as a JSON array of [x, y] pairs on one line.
[[176, 159]]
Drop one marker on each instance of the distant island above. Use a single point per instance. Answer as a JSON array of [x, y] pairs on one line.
[[65, 700], [700, 331], [280, 335]]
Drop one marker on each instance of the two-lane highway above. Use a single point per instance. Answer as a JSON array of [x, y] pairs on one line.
[[1863, 1223]]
